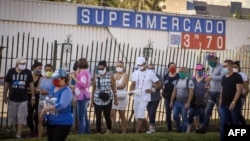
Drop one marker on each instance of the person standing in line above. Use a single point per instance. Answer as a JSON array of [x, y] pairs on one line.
[[181, 99], [82, 94], [45, 85], [230, 103], [245, 90], [32, 118], [155, 98], [213, 81], [198, 103], [121, 79], [16, 82], [103, 94], [58, 107], [142, 81], [72, 84], [169, 81]]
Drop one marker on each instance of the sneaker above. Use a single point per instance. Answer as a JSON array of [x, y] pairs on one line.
[[18, 137], [150, 131]]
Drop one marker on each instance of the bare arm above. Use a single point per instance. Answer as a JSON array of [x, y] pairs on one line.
[[5, 91], [32, 90], [245, 88], [124, 82], [173, 95], [113, 85], [132, 86]]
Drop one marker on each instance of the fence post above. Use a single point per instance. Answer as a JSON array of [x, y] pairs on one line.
[[55, 53]]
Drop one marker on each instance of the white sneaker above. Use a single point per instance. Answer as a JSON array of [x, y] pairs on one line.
[[150, 131]]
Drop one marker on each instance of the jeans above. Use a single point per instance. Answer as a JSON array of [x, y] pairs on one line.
[[197, 111], [213, 98], [168, 115], [152, 107], [179, 108], [225, 114], [82, 116]]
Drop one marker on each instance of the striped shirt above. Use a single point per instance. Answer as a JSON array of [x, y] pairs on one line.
[[105, 85]]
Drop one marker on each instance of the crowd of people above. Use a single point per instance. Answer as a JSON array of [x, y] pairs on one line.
[[58, 100]]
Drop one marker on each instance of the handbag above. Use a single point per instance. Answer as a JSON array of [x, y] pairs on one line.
[[102, 95]]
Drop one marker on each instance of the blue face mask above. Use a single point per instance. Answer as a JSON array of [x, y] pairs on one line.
[[200, 73], [225, 71], [182, 75]]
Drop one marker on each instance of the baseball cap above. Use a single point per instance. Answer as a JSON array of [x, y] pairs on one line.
[[59, 73], [199, 67], [21, 60], [211, 55], [140, 60]]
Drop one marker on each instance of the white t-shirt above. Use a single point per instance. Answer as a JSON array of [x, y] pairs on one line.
[[143, 81], [243, 75]]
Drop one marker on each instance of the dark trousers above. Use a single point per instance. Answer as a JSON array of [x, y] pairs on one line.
[[105, 110], [152, 107], [32, 118], [168, 115], [58, 132]]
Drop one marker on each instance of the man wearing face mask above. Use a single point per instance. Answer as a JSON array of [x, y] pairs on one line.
[[16, 82], [230, 103], [181, 99], [142, 81], [214, 82]]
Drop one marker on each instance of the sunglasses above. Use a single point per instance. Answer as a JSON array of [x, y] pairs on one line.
[[225, 66], [150, 68], [101, 69]]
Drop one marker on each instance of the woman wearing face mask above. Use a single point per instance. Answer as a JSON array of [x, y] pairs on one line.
[[169, 81], [58, 108], [33, 110], [121, 79], [103, 93], [198, 103], [245, 90], [45, 85], [82, 95]]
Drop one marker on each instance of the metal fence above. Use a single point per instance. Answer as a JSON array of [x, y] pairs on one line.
[[63, 55]]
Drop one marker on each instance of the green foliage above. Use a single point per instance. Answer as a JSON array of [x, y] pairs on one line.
[[151, 5]]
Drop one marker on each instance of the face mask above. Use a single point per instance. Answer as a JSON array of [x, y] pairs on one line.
[[235, 70], [56, 83], [212, 64], [152, 70], [225, 71], [102, 72], [172, 70], [200, 73], [119, 69], [21, 67], [141, 68], [48, 73], [38, 71], [182, 75]]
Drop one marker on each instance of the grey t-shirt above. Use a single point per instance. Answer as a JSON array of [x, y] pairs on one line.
[[182, 92]]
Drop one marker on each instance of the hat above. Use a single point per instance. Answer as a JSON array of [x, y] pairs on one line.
[[59, 73], [199, 67], [21, 60], [140, 60], [211, 55]]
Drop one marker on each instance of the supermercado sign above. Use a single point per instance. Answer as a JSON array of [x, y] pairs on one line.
[[186, 30]]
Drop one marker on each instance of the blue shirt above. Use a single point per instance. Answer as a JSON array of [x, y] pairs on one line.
[[62, 101]]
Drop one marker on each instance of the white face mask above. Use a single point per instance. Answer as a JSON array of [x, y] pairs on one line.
[[21, 67], [235, 70], [102, 72], [141, 68], [119, 69]]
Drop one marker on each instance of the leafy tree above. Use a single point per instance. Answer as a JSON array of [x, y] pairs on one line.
[[151, 5]]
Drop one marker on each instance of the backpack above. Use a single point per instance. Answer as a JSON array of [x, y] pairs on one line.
[[193, 101]]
